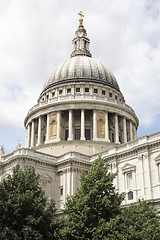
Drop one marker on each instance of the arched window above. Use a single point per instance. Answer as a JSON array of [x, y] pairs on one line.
[[130, 195]]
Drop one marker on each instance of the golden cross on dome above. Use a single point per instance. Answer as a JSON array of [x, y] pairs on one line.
[[81, 19]]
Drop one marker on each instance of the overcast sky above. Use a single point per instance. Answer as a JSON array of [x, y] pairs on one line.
[[36, 36]]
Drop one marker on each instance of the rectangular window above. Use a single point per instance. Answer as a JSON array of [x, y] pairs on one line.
[[86, 89], [130, 195], [77, 89], [129, 180], [68, 90], [103, 92], [116, 97], [60, 92], [66, 134], [95, 90], [61, 191], [110, 94], [77, 134], [112, 137], [53, 93], [87, 134]]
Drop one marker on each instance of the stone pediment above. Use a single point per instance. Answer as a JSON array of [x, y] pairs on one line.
[[128, 168], [45, 177]]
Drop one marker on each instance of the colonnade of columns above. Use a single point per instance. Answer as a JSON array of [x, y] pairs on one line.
[[30, 141]]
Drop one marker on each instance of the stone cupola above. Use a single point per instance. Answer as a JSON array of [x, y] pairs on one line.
[[81, 41]]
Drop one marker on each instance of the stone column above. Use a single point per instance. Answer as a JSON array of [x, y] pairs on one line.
[[39, 130], [78, 44], [130, 130], [47, 130], [94, 125], [82, 124], [70, 138], [135, 130], [106, 128], [32, 134], [58, 125], [116, 129], [124, 130], [29, 136]]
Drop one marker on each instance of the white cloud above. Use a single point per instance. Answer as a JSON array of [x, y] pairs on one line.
[[36, 36]]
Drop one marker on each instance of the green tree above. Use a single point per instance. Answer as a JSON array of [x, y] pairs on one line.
[[95, 202], [136, 222], [25, 212]]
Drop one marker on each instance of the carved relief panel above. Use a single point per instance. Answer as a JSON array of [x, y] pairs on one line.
[[101, 125], [53, 126]]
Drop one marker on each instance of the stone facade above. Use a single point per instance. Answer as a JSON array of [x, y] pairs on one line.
[[81, 113]]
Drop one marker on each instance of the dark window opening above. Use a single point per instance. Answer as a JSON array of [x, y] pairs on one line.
[[61, 191], [116, 97], [87, 134], [77, 89], [69, 90], [103, 92], [110, 94], [47, 96], [130, 195], [77, 134], [95, 90], [60, 92], [66, 135], [112, 137], [53, 93], [86, 89]]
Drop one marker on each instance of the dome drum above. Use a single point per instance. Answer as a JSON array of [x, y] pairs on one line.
[[78, 125]]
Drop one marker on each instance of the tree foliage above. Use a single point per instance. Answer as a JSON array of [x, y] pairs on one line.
[[25, 213], [136, 222], [95, 202]]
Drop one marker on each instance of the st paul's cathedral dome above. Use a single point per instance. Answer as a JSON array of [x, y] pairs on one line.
[[81, 107]]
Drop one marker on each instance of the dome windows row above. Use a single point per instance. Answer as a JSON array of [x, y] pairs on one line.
[[82, 89]]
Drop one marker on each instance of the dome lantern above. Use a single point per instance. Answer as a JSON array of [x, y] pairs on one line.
[[81, 41]]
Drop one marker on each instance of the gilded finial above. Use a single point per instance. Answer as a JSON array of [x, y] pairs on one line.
[[81, 19]]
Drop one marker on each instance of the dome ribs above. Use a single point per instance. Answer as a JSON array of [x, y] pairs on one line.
[[81, 67]]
